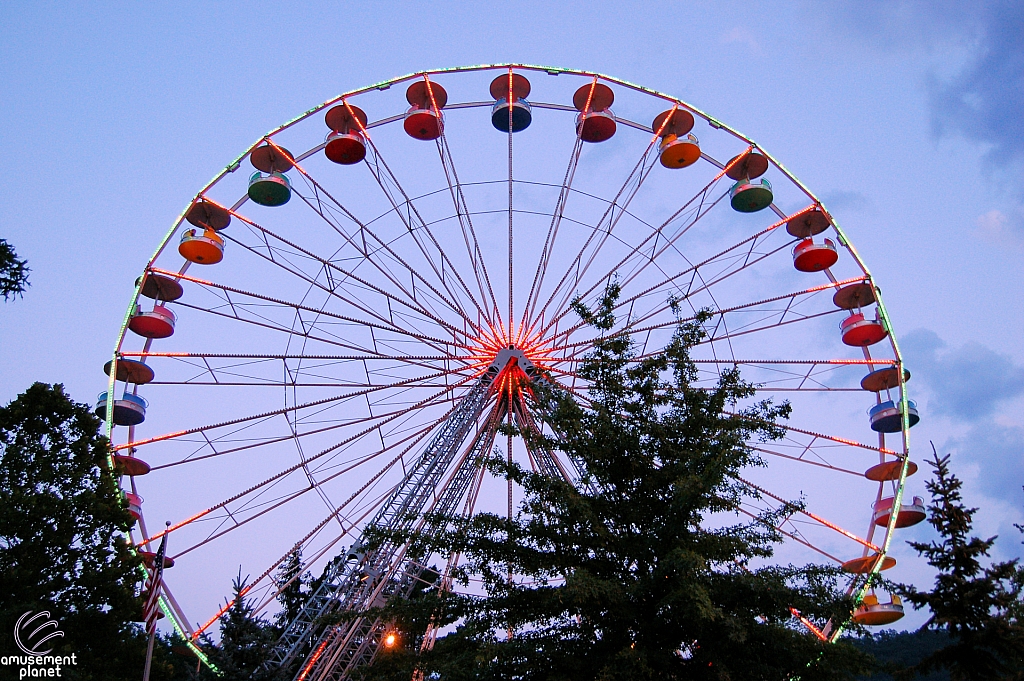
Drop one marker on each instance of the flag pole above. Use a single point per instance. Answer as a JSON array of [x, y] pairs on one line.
[[149, 655], [153, 602]]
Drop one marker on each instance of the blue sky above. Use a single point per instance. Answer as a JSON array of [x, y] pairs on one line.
[[905, 117]]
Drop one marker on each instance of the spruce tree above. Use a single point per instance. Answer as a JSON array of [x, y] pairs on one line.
[[292, 581], [245, 641], [627, 576], [979, 607], [13, 272]]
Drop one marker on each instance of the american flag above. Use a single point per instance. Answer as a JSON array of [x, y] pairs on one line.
[[151, 608]]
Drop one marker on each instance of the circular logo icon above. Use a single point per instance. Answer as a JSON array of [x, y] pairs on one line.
[[31, 632]]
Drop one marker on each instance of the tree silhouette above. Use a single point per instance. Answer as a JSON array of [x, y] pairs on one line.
[[979, 607], [625, 577], [63, 546], [245, 641], [13, 272]]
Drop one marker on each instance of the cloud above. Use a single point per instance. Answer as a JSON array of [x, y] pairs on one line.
[[898, 25], [998, 453], [976, 85], [967, 383], [985, 100], [742, 36], [1001, 228]]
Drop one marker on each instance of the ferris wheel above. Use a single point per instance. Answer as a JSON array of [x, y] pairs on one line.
[[332, 332]]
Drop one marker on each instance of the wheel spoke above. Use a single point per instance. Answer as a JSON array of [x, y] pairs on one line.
[[336, 276], [416, 438], [477, 263], [382, 246], [413, 221], [442, 393], [552, 234], [604, 227]]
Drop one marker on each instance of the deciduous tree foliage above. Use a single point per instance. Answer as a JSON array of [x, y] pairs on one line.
[[895, 651], [62, 544], [646, 570], [978, 607]]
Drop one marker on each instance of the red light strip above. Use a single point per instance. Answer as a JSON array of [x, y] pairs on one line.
[[832, 438], [285, 303], [821, 520], [810, 625], [312, 660]]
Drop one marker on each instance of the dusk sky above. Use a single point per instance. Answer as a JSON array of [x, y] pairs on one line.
[[905, 117]]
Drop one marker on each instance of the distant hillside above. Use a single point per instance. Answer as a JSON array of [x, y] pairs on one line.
[[902, 649]]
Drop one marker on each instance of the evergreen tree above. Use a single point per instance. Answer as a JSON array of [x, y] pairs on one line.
[[13, 272], [978, 607], [292, 581], [627, 576], [294, 584], [62, 537], [245, 641]]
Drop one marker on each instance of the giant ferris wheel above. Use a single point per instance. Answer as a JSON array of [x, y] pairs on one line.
[[332, 332]]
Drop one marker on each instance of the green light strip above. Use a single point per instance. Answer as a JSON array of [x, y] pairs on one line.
[[166, 607], [884, 316]]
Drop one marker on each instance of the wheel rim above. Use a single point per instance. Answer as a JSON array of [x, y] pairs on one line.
[[367, 307]]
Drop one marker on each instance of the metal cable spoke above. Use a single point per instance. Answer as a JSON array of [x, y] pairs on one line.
[[308, 405], [671, 278], [274, 478], [328, 268], [632, 326], [640, 171], [476, 256], [383, 246], [552, 233], [413, 440], [382, 174], [434, 342]]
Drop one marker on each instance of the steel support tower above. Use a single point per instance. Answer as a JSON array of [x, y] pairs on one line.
[[425, 501]]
